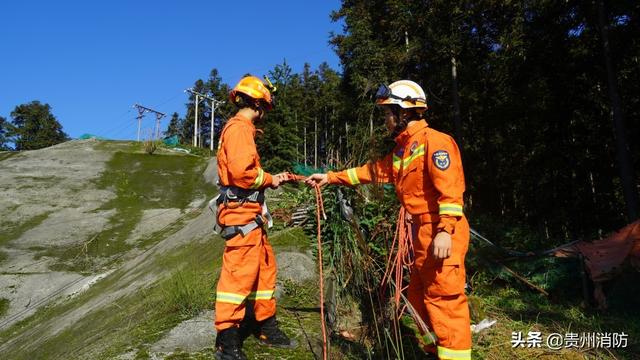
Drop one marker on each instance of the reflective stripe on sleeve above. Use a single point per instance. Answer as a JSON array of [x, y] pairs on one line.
[[451, 209], [259, 179], [353, 176]]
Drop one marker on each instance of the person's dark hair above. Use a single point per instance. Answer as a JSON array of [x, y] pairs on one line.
[[244, 101]]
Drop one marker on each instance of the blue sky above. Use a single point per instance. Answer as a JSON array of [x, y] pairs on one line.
[[92, 60]]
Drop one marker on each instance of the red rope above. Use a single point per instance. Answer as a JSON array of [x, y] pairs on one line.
[[319, 211], [399, 258], [320, 214]]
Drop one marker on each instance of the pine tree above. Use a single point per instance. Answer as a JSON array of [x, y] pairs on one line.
[[5, 128], [35, 127], [173, 128]]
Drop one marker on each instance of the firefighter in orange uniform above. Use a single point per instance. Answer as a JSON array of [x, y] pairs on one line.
[[426, 169], [248, 277]]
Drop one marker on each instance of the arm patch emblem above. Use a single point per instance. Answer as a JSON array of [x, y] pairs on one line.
[[441, 159]]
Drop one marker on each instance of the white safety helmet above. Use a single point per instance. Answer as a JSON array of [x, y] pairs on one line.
[[404, 93]]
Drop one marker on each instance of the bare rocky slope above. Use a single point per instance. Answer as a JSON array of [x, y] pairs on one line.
[[94, 266], [50, 200]]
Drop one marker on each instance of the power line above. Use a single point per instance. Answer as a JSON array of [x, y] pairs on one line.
[[118, 125], [141, 111], [168, 100]]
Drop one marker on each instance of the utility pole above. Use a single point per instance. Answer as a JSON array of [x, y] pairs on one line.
[[143, 109], [196, 129], [195, 125], [158, 117], [214, 102], [305, 145], [141, 112]]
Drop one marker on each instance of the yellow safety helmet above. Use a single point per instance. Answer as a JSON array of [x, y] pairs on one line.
[[254, 88]]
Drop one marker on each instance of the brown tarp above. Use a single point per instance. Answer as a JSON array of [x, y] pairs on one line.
[[605, 256]]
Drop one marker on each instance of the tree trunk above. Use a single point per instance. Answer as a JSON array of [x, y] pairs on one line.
[[625, 165], [457, 121]]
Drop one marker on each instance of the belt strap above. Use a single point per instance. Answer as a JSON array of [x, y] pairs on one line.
[[234, 193], [229, 232]]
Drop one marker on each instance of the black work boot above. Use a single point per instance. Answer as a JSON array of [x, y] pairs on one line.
[[249, 324], [248, 327], [271, 335], [228, 345]]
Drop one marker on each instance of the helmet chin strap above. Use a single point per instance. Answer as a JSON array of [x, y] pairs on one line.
[[399, 128], [260, 114], [401, 123]]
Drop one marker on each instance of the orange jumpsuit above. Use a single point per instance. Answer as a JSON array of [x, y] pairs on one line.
[[248, 264], [426, 169]]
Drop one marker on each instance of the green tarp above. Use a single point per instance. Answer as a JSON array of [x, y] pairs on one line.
[[91, 136], [171, 141]]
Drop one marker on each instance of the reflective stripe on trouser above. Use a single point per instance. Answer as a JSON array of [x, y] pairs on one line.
[[248, 274], [436, 291]]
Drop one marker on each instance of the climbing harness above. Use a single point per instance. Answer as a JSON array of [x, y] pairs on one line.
[[233, 197]]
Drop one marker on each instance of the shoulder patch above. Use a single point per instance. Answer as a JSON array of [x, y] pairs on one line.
[[441, 159]]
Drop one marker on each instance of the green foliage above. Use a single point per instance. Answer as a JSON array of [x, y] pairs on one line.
[[355, 253], [5, 128], [35, 127], [213, 87], [187, 292], [173, 128], [307, 103], [150, 146], [4, 306]]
